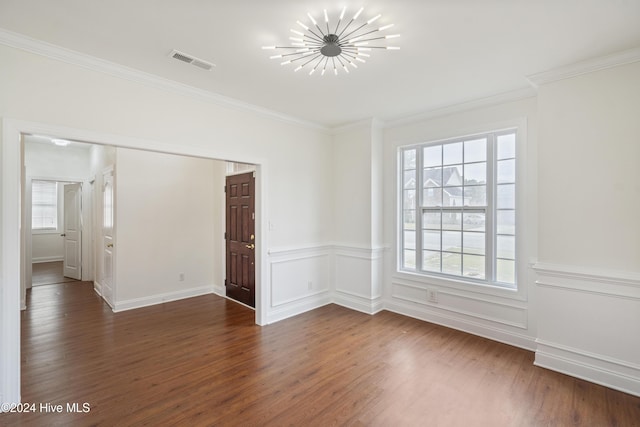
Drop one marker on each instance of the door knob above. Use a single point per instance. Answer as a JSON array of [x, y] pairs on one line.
[[110, 245], [63, 234], [251, 246]]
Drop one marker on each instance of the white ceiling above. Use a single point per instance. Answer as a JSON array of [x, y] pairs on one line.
[[452, 51]]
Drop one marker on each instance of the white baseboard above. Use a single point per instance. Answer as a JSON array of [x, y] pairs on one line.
[[615, 374], [97, 287], [220, 291], [40, 260], [358, 303], [496, 334], [162, 298], [298, 307]]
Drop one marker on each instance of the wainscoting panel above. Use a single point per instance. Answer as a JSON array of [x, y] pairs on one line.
[[299, 281], [589, 325], [358, 275]]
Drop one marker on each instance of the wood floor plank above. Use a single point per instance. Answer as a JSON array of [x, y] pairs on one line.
[[202, 362]]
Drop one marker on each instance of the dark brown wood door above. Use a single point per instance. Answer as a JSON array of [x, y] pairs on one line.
[[240, 238]]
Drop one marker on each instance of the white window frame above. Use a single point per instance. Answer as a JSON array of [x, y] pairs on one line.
[[463, 282]]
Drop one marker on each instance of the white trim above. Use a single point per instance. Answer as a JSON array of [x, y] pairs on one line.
[[599, 369], [610, 283], [473, 104], [162, 298], [298, 307], [360, 303], [10, 287], [43, 259], [68, 56], [585, 67], [465, 325]]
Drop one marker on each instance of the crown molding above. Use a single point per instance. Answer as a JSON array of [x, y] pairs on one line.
[[514, 95], [584, 67], [39, 47]]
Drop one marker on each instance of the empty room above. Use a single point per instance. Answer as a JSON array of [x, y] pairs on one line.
[[320, 213]]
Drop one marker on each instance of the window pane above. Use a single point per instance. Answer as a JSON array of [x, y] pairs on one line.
[[473, 221], [432, 177], [507, 146], [431, 220], [44, 205], [431, 261], [409, 179], [506, 196], [475, 151], [452, 241], [409, 199], [452, 264], [409, 160], [432, 197], [452, 196], [506, 171], [409, 220], [409, 239], [451, 220], [506, 222], [431, 240], [475, 195], [432, 156], [452, 175], [506, 247], [473, 266], [475, 173], [409, 259], [473, 243], [452, 153], [506, 271]]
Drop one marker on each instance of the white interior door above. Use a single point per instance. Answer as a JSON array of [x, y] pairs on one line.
[[72, 231], [107, 236]]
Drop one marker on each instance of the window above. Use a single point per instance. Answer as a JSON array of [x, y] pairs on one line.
[[44, 205], [458, 208]]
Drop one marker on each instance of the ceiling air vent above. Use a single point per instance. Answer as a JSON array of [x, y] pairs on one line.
[[190, 59]]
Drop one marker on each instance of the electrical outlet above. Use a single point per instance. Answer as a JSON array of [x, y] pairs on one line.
[[181, 277], [432, 295]]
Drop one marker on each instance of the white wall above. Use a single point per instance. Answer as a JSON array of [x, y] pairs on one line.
[[589, 240], [169, 210], [502, 315]]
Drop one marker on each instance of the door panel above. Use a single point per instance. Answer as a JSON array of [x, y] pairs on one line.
[[240, 238], [72, 231]]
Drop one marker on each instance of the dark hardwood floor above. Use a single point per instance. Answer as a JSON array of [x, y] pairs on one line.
[[202, 361], [48, 273]]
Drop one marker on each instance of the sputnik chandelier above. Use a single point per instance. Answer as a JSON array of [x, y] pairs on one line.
[[337, 46]]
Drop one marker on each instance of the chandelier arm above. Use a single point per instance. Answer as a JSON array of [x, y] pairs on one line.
[[315, 38], [365, 34], [368, 40], [319, 38], [320, 29], [354, 31], [345, 28], [312, 59]]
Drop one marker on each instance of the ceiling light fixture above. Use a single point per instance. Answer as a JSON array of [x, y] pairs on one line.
[[335, 46]]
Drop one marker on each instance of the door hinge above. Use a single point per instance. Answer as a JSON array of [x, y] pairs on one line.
[[253, 216], [225, 235]]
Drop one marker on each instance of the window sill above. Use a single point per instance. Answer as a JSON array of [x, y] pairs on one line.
[[460, 284]]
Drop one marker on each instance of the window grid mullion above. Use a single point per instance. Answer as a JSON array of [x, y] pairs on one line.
[[490, 216], [419, 203]]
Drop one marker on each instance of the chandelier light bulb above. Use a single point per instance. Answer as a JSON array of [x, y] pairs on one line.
[[334, 44]]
